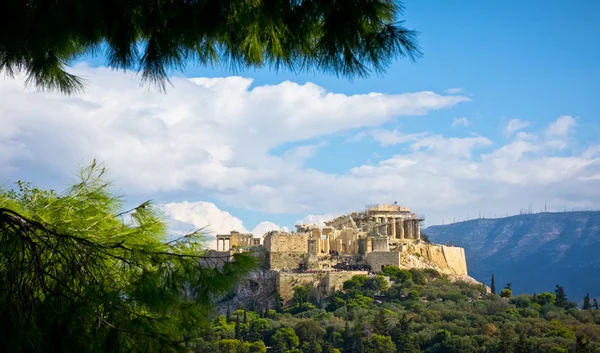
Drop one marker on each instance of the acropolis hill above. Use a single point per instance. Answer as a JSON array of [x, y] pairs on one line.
[[358, 243]]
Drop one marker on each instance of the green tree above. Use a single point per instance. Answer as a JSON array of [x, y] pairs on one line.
[[378, 344], [78, 274], [284, 339], [506, 344], [506, 293], [228, 346], [418, 277], [238, 328], [355, 283], [335, 302], [523, 345], [253, 347], [401, 336], [583, 345], [311, 347], [256, 329], [595, 305], [309, 330], [587, 305], [397, 274], [546, 298], [493, 285], [380, 323], [561, 297], [348, 38]]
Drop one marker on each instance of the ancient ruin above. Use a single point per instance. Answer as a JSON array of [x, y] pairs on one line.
[[355, 243]]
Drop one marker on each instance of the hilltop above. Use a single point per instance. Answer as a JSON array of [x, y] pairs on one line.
[[533, 251]]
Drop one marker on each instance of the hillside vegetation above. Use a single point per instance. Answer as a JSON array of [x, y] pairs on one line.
[[533, 251], [419, 311]]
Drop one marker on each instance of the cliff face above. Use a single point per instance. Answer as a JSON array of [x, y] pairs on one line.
[[258, 290], [534, 252]]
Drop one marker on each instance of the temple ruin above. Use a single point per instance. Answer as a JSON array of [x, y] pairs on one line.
[[355, 243]]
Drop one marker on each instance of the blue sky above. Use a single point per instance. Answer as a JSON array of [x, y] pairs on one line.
[[534, 61]]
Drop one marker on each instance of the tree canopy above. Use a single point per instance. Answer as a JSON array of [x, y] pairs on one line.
[[77, 274], [351, 38]]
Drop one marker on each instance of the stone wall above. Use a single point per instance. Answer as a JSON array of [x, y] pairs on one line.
[[297, 243], [447, 259], [286, 251], [335, 280], [378, 259], [450, 259], [456, 259], [286, 282], [285, 260], [324, 283]]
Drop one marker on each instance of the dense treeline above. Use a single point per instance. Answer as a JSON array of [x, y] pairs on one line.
[[416, 311], [78, 274]]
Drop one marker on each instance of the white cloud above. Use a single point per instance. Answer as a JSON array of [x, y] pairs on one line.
[[266, 226], [515, 125], [204, 215], [561, 127], [591, 152], [208, 217], [456, 147], [214, 133], [454, 90], [394, 137], [318, 219], [216, 136], [460, 122]]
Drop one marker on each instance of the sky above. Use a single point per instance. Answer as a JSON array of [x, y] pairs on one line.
[[500, 114]]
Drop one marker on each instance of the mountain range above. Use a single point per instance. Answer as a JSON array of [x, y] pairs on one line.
[[534, 252]]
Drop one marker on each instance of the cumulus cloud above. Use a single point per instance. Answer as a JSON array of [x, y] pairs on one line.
[[215, 136], [212, 133], [460, 122], [515, 125], [205, 215], [266, 226], [561, 127], [210, 218]]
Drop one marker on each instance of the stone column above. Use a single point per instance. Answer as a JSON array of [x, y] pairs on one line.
[[418, 229], [393, 236], [409, 229], [219, 247], [401, 228]]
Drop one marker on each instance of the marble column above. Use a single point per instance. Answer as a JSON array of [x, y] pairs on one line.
[[393, 225], [418, 229], [401, 229]]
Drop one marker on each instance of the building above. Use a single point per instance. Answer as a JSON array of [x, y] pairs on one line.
[[235, 239]]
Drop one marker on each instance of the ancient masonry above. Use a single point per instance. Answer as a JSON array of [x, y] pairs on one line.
[[355, 243]]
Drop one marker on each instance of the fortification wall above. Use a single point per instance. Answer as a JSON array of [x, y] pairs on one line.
[[450, 259], [288, 243], [380, 258], [456, 259], [286, 282], [285, 260], [324, 284], [335, 280], [286, 251]]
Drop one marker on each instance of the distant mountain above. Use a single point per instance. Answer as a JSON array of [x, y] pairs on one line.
[[534, 251]]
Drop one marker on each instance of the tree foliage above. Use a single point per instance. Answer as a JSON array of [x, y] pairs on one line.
[[77, 274], [349, 38]]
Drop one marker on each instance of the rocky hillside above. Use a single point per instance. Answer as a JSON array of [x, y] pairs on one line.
[[534, 252]]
